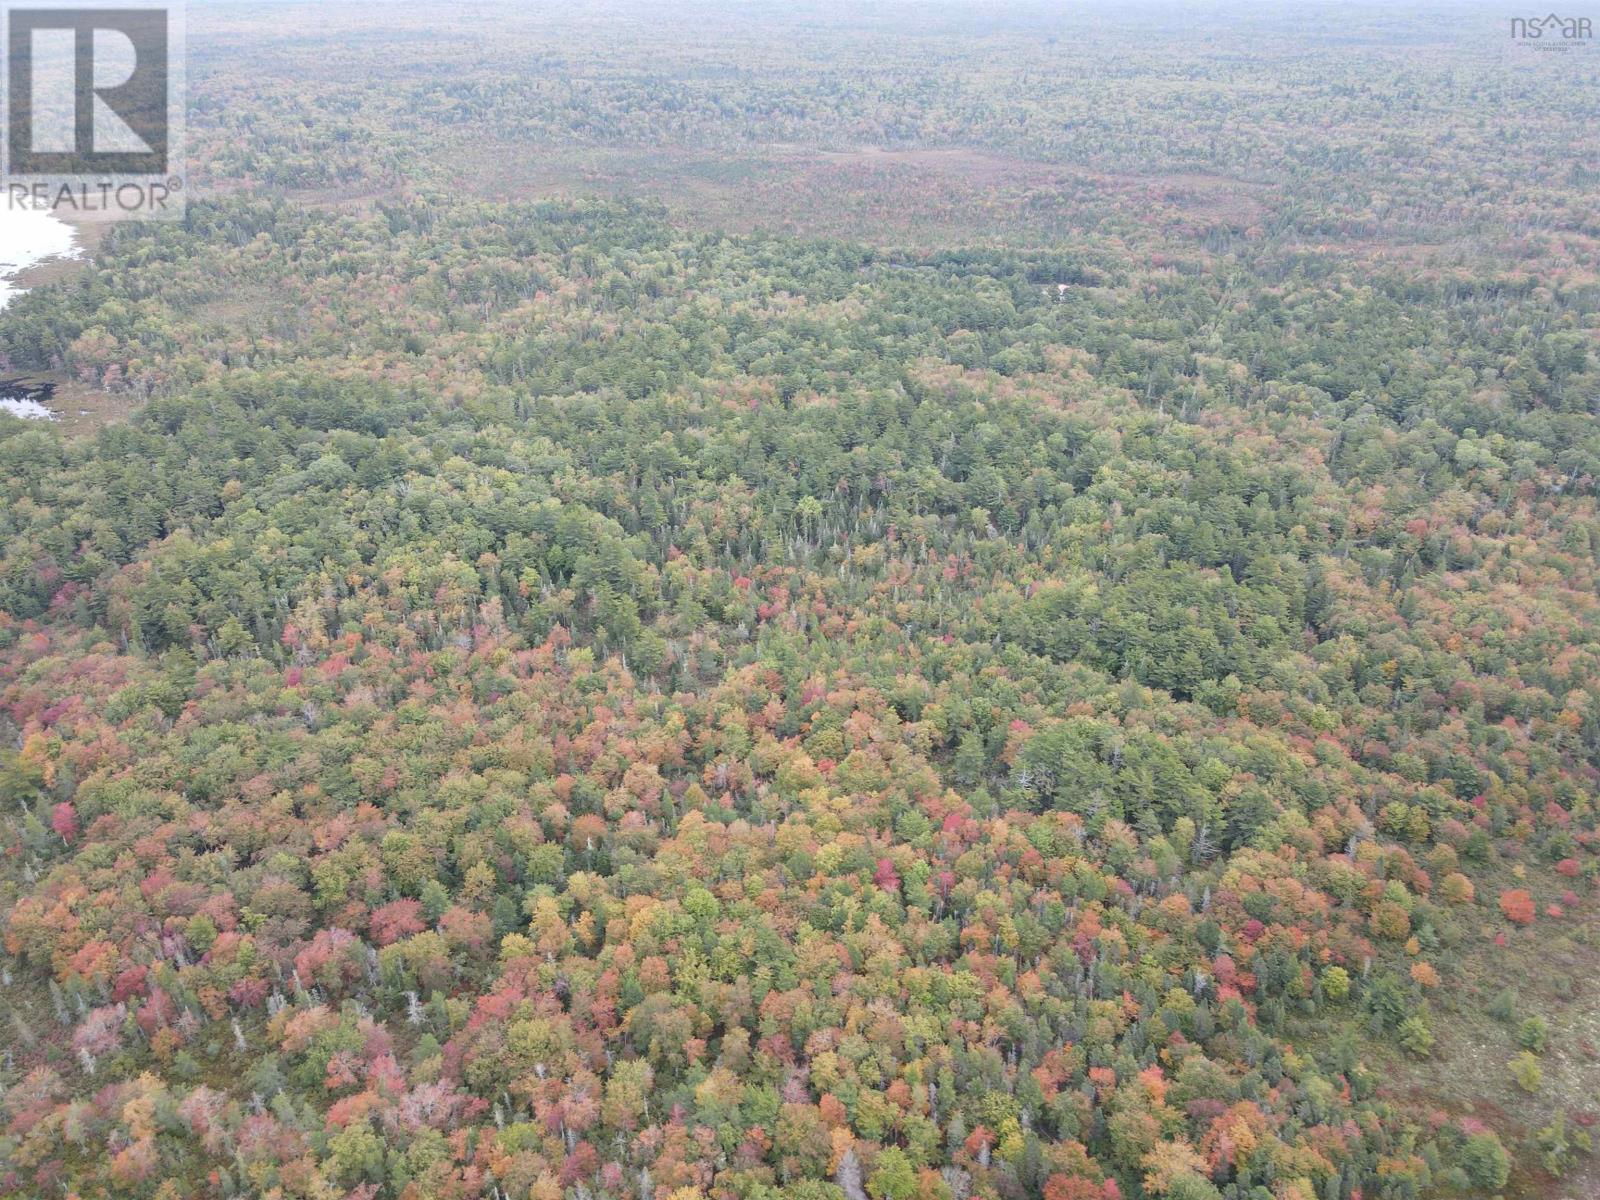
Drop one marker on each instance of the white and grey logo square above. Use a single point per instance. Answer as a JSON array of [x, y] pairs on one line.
[[93, 107]]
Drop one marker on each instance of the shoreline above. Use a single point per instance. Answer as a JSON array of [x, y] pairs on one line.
[[46, 395], [35, 237], [55, 267]]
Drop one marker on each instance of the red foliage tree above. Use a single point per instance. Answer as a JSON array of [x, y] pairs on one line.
[[1517, 905]]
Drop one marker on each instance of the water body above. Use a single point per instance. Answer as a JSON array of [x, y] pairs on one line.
[[23, 399], [28, 237]]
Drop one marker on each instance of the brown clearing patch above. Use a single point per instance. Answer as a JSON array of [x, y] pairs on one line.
[[923, 197], [79, 407]]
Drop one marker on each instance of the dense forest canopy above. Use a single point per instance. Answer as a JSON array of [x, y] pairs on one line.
[[820, 602]]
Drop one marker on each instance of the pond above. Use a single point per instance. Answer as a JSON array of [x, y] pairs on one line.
[[28, 236]]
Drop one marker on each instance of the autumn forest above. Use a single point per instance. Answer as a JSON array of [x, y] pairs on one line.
[[816, 601]]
